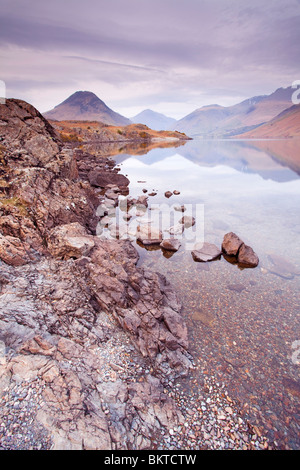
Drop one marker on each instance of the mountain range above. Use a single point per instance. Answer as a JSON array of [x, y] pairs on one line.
[[220, 121], [86, 106], [154, 120], [271, 115]]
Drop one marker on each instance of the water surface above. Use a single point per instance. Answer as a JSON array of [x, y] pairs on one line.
[[244, 325]]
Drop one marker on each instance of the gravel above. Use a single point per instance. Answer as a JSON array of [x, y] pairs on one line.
[[19, 429], [211, 420]]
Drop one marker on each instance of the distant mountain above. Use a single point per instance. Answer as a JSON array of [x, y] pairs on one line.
[[86, 106], [220, 121], [154, 120], [286, 124]]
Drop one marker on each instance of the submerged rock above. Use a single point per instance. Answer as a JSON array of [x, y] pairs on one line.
[[171, 244], [206, 252], [187, 221], [280, 266]]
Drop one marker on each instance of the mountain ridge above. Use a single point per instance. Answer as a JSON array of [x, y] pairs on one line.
[[285, 124], [221, 121]]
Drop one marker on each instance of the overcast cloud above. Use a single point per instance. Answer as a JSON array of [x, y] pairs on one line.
[[169, 55]]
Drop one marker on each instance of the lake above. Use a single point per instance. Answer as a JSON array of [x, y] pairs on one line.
[[244, 326]]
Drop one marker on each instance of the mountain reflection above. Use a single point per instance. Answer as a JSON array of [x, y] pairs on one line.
[[277, 160]]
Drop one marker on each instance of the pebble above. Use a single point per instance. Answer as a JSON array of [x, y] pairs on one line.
[[209, 423], [19, 429]]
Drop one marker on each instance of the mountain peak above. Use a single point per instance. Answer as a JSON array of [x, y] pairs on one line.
[[153, 119], [86, 106]]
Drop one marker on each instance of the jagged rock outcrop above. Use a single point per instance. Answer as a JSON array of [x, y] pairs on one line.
[[74, 308]]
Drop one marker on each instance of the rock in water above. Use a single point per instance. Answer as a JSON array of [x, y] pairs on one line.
[[171, 244], [231, 244], [187, 221], [247, 257], [206, 252], [176, 229], [282, 267], [168, 194], [149, 235]]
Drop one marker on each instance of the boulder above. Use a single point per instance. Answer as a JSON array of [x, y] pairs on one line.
[[69, 241], [247, 257], [231, 244], [168, 194], [149, 235], [171, 244], [206, 252], [104, 178]]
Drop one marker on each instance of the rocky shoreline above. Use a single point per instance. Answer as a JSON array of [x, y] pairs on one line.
[[91, 345]]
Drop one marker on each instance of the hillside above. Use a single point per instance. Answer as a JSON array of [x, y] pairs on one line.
[[220, 121], [286, 124], [97, 132], [86, 106], [154, 120]]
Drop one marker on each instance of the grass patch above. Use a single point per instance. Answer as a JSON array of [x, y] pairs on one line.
[[14, 202]]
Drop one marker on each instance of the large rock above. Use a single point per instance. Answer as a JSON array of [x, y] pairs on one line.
[[69, 241], [33, 139], [105, 178], [247, 257], [206, 252], [231, 244]]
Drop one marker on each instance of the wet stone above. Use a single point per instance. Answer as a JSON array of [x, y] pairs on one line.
[[206, 252]]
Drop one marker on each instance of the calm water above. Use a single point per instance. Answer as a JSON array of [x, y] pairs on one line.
[[243, 324]]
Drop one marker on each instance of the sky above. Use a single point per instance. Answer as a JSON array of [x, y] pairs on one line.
[[172, 56]]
